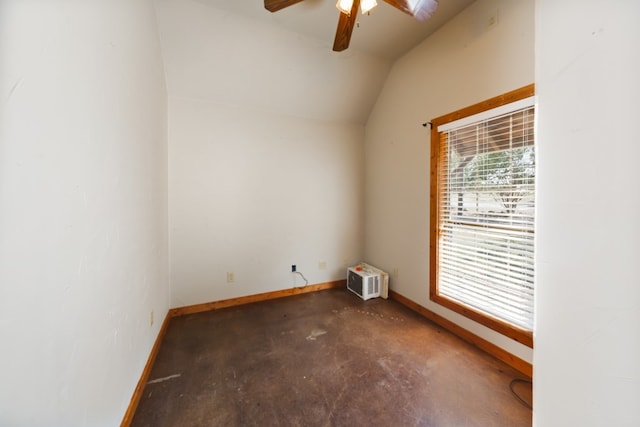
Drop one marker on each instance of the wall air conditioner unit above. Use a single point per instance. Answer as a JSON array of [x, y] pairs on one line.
[[367, 281]]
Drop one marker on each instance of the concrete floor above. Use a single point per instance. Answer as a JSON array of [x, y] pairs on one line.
[[324, 359]]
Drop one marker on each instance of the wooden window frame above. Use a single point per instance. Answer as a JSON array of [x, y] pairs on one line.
[[518, 334]]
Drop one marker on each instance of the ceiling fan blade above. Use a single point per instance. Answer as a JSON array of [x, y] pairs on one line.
[[276, 5], [345, 28], [420, 9]]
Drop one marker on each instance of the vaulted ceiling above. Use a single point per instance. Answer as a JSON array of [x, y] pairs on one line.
[[236, 53]]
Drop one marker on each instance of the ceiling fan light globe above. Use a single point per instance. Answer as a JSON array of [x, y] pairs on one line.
[[345, 6], [367, 5]]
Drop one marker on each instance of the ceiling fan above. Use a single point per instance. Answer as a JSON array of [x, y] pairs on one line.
[[420, 9]]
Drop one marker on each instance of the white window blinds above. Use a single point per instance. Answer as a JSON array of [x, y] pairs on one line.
[[486, 213]]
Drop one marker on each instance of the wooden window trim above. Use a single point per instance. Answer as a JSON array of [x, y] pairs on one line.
[[518, 334]]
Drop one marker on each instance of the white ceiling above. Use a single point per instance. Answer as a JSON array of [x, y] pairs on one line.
[[385, 32], [237, 54]]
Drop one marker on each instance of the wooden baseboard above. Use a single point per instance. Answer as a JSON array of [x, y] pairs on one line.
[[137, 393], [216, 305], [515, 362]]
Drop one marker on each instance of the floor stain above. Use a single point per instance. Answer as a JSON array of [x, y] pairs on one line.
[[315, 334]]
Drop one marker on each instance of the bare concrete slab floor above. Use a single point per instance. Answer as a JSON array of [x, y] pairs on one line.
[[324, 359]]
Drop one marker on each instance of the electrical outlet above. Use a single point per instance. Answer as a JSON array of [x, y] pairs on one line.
[[293, 268], [151, 318], [230, 277], [322, 265]]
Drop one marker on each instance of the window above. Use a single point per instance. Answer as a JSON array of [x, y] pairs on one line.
[[482, 213]]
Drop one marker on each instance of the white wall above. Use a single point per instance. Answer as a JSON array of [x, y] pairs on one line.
[[227, 58], [252, 192], [587, 354], [266, 152], [463, 63], [83, 222]]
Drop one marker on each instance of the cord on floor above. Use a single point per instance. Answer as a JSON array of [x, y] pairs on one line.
[[516, 395]]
